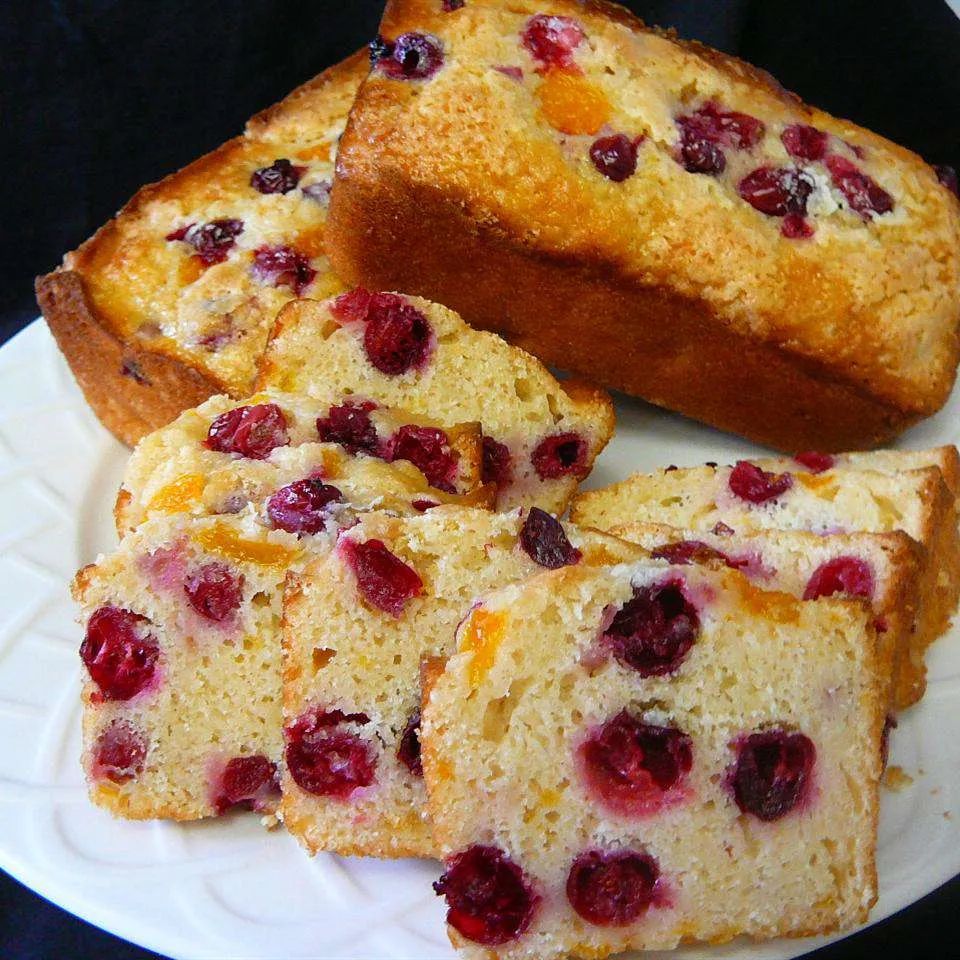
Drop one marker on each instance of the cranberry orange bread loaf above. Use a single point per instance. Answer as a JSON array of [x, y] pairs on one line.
[[172, 300], [227, 453], [357, 622], [634, 757], [541, 436], [654, 215]]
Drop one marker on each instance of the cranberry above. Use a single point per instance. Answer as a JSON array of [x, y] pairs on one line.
[[849, 576], [489, 900], [281, 177], [686, 552], [776, 191], [701, 156], [704, 131], [804, 142], [283, 267], [248, 782], [428, 449], [422, 506], [214, 591], [562, 455], [252, 432], [350, 426], [750, 483], [948, 177], [383, 579], [630, 765], [412, 56], [352, 306], [119, 753], [325, 761], [796, 227], [653, 631], [302, 506], [119, 653], [612, 888], [408, 750], [212, 241], [615, 156], [397, 336], [864, 195], [545, 542], [552, 40], [319, 192], [497, 466], [814, 461], [450, 5], [772, 772]]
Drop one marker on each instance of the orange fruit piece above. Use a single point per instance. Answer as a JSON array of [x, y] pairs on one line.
[[572, 104]]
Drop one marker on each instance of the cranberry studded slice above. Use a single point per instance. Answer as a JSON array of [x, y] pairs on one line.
[[251, 432], [863, 194], [428, 449], [772, 772], [654, 630], [119, 652], [212, 241], [551, 41], [283, 267], [412, 56], [948, 177], [397, 337], [489, 900], [849, 576], [119, 753], [350, 425], [615, 156], [302, 506], [545, 542], [562, 455], [408, 750], [280, 177], [215, 591], [776, 191], [326, 760], [748, 482], [814, 461], [631, 766], [383, 579], [497, 462], [248, 782], [704, 132], [685, 552], [612, 888], [804, 142]]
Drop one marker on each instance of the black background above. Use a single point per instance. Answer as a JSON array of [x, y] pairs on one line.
[[99, 97]]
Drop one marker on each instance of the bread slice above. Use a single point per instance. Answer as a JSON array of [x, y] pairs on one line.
[[152, 325], [541, 436], [587, 801], [352, 669]]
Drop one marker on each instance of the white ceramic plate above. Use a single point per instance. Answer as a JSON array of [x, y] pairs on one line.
[[228, 888]]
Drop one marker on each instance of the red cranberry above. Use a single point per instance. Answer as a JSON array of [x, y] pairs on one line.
[[281, 177], [119, 753], [815, 462], [796, 227], [772, 772], [352, 306], [450, 5], [422, 506], [497, 466], [283, 267], [212, 241], [704, 131], [685, 552], [412, 56], [849, 576], [325, 761], [350, 426], [428, 449], [383, 579], [552, 40], [653, 631], [397, 336], [489, 900], [630, 765], [948, 177], [252, 432], [615, 156], [612, 888], [562, 455], [302, 506], [700, 156], [776, 191], [750, 483], [248, 782], [864, 195], [119, 652], [408, 750], [544, 541], [215, 591], [804, 142]]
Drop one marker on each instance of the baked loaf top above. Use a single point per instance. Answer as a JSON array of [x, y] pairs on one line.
[[610, 747], [569, 130]]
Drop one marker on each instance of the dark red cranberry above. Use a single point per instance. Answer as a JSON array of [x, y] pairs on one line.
[[703, 132], [280, 177], [397, 336], [850, 576], [408, 750], [795, 226], [750, 483], [450, 5], [814, 461], [302, 506], [350, 426], [544, 541], [630, 765], [685, 552], [864, 195], [180, 233], [412, 56], [776, 191], [325, 761], [948, 177], [215, 591], [251, 432], [212, 241], [319, 192], [248, 782], [352, 306], [552, 40], [383, 579], [653, 631], [283, 267], [428, 449], [119, 652], [804, 142], [119, 753], [612, 888], [615, 156], [422, 506], [489, 900], [562, 455], [497, 462], [772, 772], [701, 156]]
